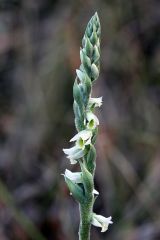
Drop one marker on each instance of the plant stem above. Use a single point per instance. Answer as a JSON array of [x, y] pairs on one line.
[[86, 210]]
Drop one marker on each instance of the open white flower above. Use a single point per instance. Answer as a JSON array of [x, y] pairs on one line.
[[97, 102], [92, 120], [100, 221], [74, 153], [82, 139], [76, 177]]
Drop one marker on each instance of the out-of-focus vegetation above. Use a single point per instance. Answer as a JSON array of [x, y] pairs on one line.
[[39, 52]]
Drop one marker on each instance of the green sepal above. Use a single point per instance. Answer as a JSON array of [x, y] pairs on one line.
[[87, 179], [87, 86], [94, 72], [89, 28], [86, 62], [83, 41], [91, 159], [96, 54], [81, 75], [77, 95], [88, 47], [98, 31], [93, 38], [95, 132], [75, 190], [79, 118], [84, 96], [86, 82], [78, 125]]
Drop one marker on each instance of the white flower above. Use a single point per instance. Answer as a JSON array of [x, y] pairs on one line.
[[74, 153], [92, 120], [82, 139], [76, 177], [100, 221], [97, 102]]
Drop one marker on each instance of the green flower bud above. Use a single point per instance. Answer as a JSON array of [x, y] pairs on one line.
[[96, 54], [91, 159], [87, 180], [85, 61], [75, 190], [88, 47], [94, 72], [79, 117], [87, 89], [95, 132], [93, 38], [81, 75], [76, 92]]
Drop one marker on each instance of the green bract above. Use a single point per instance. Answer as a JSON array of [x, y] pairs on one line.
[[81, 184]]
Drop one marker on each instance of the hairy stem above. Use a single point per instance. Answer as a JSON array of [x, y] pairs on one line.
[[86, 210]]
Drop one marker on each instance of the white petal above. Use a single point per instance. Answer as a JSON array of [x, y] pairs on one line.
[[72, 161], [96, 101], [91, 116], [71, 151], [104, 219], [84, 134], [76, 177], [95, 192], [76, 155], [95, 222], [104, 227]]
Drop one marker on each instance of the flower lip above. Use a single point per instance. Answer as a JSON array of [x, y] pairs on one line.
[[97, 102], [80, 143], [92, 116], [92, 120], [100, 221]]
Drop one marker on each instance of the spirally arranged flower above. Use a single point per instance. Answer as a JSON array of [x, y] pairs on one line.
[[82, 139], [76, 177], [100, 221], [95, 102], [92, 120]]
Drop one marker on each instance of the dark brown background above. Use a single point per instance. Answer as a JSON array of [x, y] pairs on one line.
[[39, 52]]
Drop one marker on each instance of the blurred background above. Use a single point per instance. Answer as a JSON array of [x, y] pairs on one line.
[[39, 52]]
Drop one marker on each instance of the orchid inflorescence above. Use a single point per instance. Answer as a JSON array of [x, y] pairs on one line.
[[81, 184]]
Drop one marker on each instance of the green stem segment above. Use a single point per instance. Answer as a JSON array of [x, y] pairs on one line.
[[86, 210], [86, 207]]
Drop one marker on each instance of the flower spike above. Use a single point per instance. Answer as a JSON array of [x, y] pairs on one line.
[[83, 152]]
